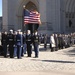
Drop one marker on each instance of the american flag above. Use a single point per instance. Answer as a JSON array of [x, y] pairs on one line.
[[31, 17]]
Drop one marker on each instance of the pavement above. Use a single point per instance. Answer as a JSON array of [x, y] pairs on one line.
[[61, 62]]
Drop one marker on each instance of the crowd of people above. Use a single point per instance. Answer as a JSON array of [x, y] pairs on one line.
[[58, 41], [16, 44]]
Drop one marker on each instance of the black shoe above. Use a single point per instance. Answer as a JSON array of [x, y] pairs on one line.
[[36, 57], [19, 58], [29, 55], [11, 57], [5, 56], [22, 55]]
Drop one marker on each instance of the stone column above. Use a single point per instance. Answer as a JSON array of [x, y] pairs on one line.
[[42, 10], [5, 14]]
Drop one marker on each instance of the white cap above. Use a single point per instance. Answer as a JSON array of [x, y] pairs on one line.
[[19, 30], [28, 31], [11, 30]]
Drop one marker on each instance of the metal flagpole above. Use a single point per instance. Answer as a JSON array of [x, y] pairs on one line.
[[23, 27]]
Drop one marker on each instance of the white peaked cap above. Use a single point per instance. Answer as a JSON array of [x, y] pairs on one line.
[[19, 30], [11, 30], [28, 31]]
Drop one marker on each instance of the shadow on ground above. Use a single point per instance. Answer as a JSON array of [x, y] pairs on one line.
[[70, 52], [54, 61]]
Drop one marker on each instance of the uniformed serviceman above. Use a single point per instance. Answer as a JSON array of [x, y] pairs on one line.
[[22, 39], [36, 43], [18, 41], [24, 43], [4, 43], [15, 44], [11, 43], [29, 43]]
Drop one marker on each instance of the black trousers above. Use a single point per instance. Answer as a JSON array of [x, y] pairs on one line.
[[11, 50], [29, 50], [19, 51], [5, 50], [45, 45]]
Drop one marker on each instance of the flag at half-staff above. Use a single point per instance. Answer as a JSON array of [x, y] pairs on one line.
[[31, 17]]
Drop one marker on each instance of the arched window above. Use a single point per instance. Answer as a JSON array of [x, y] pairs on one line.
[[30, 5]]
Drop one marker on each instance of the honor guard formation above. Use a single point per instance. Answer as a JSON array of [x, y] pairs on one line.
[[17, 43]]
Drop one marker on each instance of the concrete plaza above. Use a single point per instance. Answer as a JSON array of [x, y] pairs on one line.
[[61, 62]]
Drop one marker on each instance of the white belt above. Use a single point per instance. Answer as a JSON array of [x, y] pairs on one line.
[[28, 40], [18, 40]]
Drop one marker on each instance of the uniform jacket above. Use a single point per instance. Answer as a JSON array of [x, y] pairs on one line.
[[28, 39], [19, 39], [35, 39], [10, 38]]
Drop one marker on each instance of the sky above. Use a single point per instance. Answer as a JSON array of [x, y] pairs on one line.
[[0, 7]]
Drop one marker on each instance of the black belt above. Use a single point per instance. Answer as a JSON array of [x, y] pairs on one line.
[[36, 40], [10, 39]]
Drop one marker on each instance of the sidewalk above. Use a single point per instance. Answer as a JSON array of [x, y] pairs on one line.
[[60, 62], [36, 73]]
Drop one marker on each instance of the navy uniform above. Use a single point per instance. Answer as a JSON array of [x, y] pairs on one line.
[[15, 44], [4, 43], [24, 43], [22, 39], [11, 43], [18, 42], [36, 44], [29, 42]]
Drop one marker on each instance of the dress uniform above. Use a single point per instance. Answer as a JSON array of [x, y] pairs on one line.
[[36, 44], [11, 43], [15, 44], [24, 43], [22, 39], [18, 41], [4, 43], [29, 42]]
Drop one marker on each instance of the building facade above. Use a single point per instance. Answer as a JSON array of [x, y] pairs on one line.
[[57, 16], [0, 23]]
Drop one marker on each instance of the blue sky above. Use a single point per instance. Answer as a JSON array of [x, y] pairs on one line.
[[0, 7]]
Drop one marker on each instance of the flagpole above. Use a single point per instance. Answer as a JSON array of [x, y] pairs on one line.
[[23, 27]]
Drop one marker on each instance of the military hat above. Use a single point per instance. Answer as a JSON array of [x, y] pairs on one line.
[[11, 30], [19, 30]]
